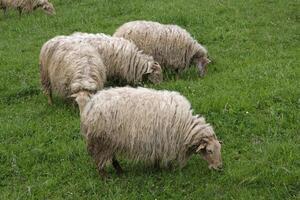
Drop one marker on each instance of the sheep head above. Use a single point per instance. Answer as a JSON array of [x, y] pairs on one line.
[[82, 98], [210, 149], [154, 73], [47, 7], [201, 61]]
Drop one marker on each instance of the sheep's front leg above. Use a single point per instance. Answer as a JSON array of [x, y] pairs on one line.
[[101, 163], [117, 166], [177, 71], [49, 94], [20, 11], [103, 173], [4, 11]]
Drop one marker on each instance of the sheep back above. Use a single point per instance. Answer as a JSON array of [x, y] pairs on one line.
[[143, 124], [68, 66], [121, 57], [28, 5], [170, 45]]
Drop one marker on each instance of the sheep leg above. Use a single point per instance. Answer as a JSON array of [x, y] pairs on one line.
[[49, 94], [20, 11], [117, 166], [157, 164], [101, 162], [177, 74], [103, 173], [100, 154], [4, 11], [169, 166]]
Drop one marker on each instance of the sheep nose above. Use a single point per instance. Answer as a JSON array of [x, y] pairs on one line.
[[216, 167]]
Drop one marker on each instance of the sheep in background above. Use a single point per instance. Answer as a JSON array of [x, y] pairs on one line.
[[170, 45], [27, 5], [144, 124], [68, 66], [123, 59]]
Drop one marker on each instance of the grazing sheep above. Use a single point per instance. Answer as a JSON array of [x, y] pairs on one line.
[[123, 59], [170, 45], [68, 66], [152, 126], [27, 5]]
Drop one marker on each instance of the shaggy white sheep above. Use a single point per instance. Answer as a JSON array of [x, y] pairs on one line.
[[68, 66], [123, 59], [170, 45], [153, 126], [27, 5]]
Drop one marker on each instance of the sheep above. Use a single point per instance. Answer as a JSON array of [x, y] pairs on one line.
[[147, 125], [123, 59], [68, 66], [170, 45], [27, 5]]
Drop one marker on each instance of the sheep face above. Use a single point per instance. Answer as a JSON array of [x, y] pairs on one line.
[[201, 61], [81, 98], [155, 73], [210, 150], [48, 7]]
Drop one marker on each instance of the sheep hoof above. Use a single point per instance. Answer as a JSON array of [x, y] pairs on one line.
[[50, 102], [117, 166], [103, 174], [120, 172], [49, 94]]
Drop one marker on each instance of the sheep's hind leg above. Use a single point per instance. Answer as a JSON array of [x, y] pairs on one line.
[[49, 94], [157, 165], [117, 166]]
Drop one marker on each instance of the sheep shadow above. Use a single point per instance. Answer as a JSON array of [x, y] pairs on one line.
[[140, 169]]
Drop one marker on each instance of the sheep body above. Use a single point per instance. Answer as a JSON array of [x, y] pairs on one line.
[[170, 45], [122, 58], [27, 5], [68, 66], [143, 124]]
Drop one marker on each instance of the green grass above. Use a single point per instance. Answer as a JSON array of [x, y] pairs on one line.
[[251, 96]]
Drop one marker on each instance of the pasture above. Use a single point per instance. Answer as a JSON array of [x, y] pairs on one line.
[[251, 96]]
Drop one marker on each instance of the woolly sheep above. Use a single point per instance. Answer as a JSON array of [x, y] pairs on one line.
[[144, 124], [27, 5], [170, 45], [123, 59], [68, 66]]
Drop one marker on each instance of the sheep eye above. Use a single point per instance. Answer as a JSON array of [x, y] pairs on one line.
[[209, 151]]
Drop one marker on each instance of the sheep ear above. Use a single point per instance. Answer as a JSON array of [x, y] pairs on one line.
[[74, 95], [149, 70], [206, 61], [156, 65], [203, 144], [201, 147]]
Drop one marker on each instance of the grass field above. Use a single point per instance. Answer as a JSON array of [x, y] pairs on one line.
[[251, 95]]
